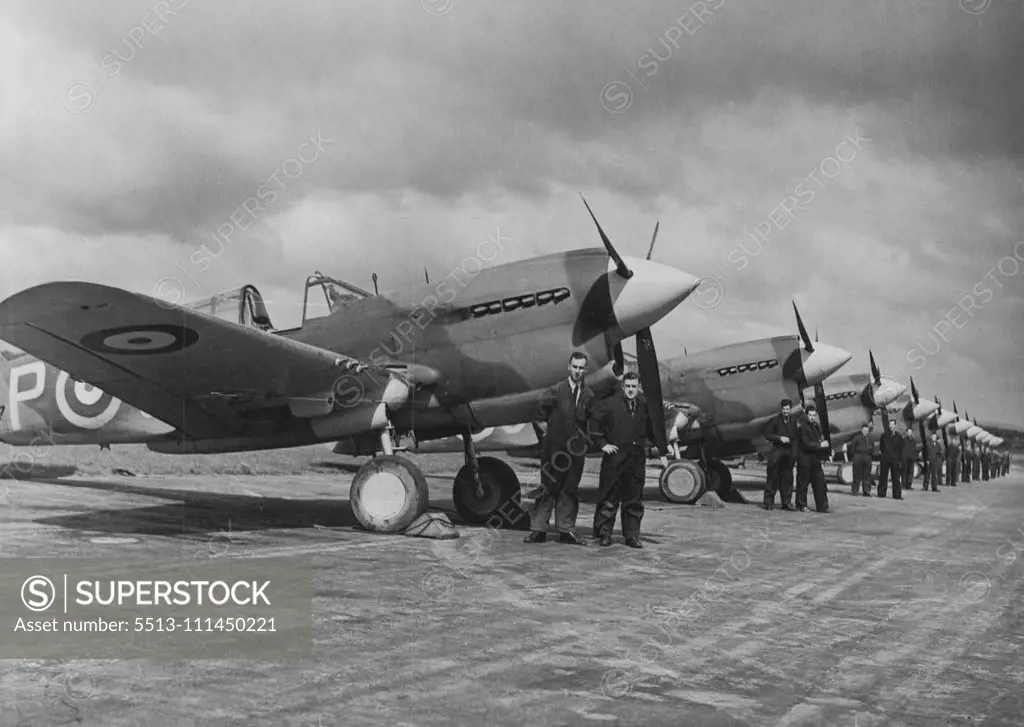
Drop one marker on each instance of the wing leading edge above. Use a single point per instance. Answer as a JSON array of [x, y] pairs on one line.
[[208, 377]]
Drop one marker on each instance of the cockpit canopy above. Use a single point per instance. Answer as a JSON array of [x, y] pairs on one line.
[[334, 294], [243, 306]]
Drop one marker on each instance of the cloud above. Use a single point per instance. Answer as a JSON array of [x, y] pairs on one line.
[[444, 127]]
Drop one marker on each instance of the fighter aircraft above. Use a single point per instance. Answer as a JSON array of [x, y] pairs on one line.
[[431, 360], [717, 403]]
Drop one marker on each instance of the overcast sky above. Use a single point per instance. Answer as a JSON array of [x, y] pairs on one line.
[[132, 130]]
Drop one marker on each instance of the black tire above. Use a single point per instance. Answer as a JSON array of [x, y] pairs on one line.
[[501, 492], [719, 479], [383, 515]]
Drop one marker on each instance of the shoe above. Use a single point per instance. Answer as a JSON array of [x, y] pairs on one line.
[[633, 543], [897, 498], [605, 541], [768, 506], [536, 536], [823, 511], [788, 508], [799, 508], [571, 539], [866, 494]]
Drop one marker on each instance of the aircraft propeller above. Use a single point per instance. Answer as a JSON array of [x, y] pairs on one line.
[[819, 388], [876, 374], [921, 427], [945, 437], [653, 238], [646, 356]]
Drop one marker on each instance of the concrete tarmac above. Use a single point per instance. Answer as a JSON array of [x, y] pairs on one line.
[[880, 613]]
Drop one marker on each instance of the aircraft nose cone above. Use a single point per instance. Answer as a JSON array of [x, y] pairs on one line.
[[945, 418], [824, 361], [924, 408], [888, 391], [649, 295]]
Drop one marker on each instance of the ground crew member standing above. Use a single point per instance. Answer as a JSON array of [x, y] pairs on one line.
[[567, 410], [622, 426], [935, 456], [892, 453], [907, 459], [976, 469], [968, 461], [986, 460], [860, 450], [811, 449], [782, 434], [952, 458]]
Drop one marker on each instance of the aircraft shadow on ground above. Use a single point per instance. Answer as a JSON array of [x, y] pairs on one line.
[[199, 513], [35, 471]]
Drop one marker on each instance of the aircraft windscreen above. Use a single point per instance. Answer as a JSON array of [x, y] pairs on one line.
[[324, 295], [223, 305]]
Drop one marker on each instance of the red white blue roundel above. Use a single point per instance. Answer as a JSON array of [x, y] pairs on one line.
[[84, 405], [141, 340]]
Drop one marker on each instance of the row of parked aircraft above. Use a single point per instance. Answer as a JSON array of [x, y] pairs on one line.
[[101, 365]]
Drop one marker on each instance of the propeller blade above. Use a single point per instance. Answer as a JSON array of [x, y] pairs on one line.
[[924, 448], [375, 291], [426, 275], [955, 411], [822, 403], [803, 331], [620, 264], [876, 372], [653, 238], [650, 379], [945, 437], [913, 391], [815, 334], [618, 356]]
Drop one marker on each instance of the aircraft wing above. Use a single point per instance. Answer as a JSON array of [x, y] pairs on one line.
[[206, 376]]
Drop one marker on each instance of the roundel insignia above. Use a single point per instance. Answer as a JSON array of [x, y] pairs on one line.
[[141, 340], [84, 405]]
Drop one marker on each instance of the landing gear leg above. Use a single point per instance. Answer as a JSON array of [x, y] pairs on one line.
[[388, 492], [487, 491]]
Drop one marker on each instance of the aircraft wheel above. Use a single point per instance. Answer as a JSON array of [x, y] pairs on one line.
[[719, 479], [388, 493], [500, 484], [682, 482], [846, 474]]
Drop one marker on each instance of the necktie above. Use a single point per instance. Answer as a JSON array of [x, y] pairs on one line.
[[632, 407], [573, 391]]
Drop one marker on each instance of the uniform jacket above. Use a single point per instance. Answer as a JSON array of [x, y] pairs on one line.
[[953, 448], [563, 419], [777, 428], [860, 446], [891, 446], [809, 438], [613, 423]]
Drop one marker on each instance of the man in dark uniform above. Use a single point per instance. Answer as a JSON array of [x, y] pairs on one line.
[[968, 462], [907, 459], [935, 456], [860, 452], [566, 409], [811, 449], [976, 469], [952, 458], [892, 452], [622, 426], [986, 461], [781, 433]]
